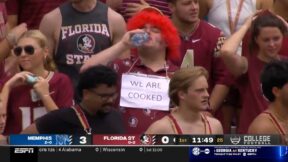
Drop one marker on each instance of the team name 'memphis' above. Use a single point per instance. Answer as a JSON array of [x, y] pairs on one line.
[[84, 28]]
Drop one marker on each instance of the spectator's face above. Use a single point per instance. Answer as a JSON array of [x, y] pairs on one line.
[[155, 37], [186, 11], [2, 118], [269, 41], [197, 96], [102, 97], [29, 54]]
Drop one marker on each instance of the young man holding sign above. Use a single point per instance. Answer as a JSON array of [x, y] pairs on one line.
[[145, 75]]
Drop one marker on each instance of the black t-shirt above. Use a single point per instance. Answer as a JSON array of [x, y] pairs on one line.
[[65, 121]]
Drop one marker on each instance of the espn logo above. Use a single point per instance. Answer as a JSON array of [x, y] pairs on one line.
[[23, 150]]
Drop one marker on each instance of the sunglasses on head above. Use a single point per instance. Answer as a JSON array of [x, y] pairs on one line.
[[28, 50]]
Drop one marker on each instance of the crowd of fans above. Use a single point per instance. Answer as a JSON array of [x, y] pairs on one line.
[[207, 65]]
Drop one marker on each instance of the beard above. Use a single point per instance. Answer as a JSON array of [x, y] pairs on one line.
[[105, 109], [102, 113]]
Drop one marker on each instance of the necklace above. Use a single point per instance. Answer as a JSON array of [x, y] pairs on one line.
[[186, 36], [232, 24], [82, 118]]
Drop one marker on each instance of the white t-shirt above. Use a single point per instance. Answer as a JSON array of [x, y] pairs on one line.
[[218, 14]]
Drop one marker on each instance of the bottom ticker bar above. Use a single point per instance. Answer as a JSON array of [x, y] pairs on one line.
[[142, 153]]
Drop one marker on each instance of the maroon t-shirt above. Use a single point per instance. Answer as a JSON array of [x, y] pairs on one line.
[[22, 110], [31, 11], [204, 42], [253, 100], [138, 120]]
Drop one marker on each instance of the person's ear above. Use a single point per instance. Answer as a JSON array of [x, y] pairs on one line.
[[276, 92], [85, 94], [181, 95], [46, 53]]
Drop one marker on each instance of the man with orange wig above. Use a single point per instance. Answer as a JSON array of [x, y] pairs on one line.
[[152, 58]]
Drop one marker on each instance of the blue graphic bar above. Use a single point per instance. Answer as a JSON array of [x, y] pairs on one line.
[[42, 139], [275, 153]]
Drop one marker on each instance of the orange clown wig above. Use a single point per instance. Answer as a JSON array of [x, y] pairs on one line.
[[169, 33]]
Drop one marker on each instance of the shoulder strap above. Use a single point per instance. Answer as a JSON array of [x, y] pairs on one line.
[[82, 118], [275, 122], [206, 123], [175, 125]]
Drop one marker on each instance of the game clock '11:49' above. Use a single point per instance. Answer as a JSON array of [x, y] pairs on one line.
[[202, 140], [208, 140]]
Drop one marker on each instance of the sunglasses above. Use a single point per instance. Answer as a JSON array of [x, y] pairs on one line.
[[29, 49]]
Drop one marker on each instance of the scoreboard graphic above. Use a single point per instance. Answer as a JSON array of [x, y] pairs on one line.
[[106, 148]]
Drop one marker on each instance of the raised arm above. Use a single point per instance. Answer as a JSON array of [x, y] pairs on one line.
[[221, 77], [112, 53], [114, 4], [236, 64], [8, 43], [117, 26], [16, 80], [48, 25]]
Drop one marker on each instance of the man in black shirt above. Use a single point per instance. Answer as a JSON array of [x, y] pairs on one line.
[[95, 113]]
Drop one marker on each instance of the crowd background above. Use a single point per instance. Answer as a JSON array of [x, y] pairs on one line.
[[232, 40]]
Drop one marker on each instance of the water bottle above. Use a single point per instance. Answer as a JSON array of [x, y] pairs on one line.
[[139, 38], [31, 79]]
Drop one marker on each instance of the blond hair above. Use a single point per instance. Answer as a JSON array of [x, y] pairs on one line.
[[42, 40]]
